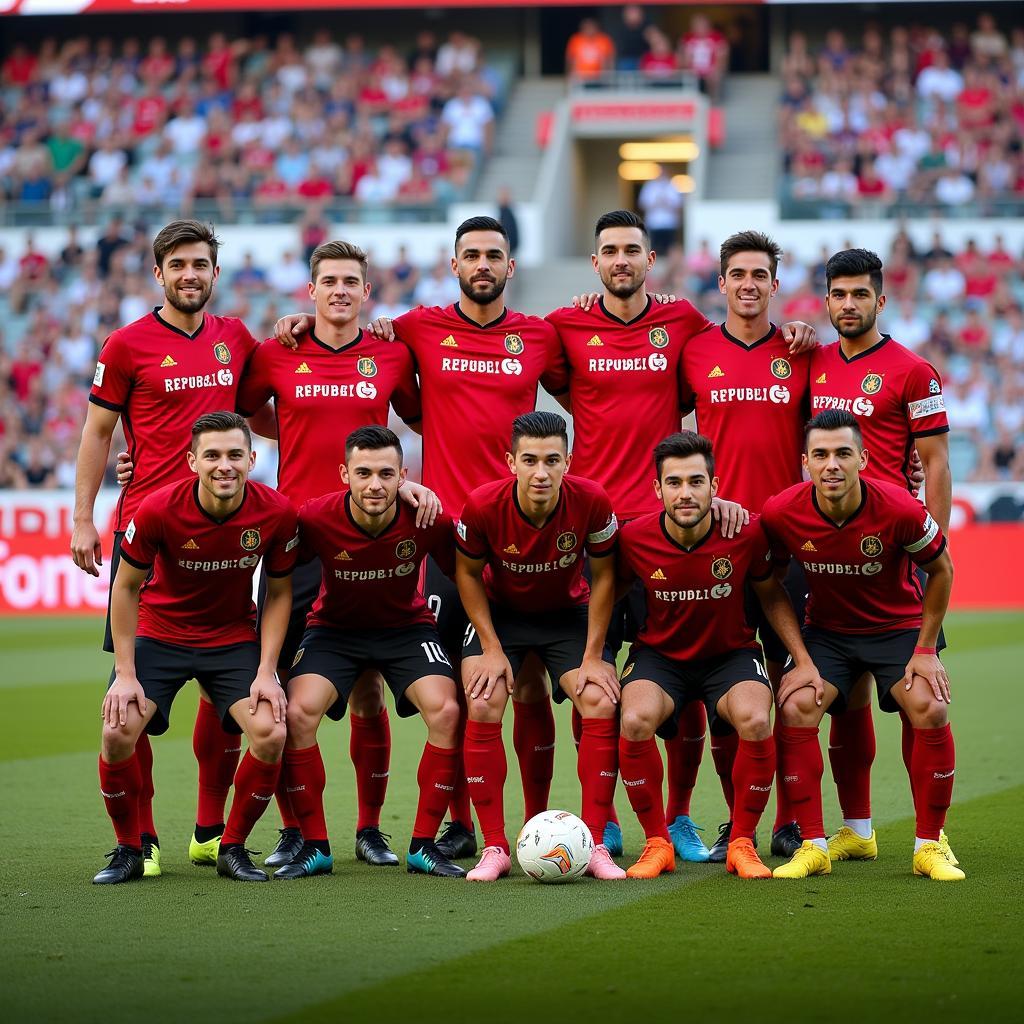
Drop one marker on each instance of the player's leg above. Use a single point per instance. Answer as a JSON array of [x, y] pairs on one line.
[[683, 754], [533, 735], [370, 750]]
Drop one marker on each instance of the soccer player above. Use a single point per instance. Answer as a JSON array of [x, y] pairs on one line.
[[369, 615], [520, 575], [697, 644], [180, 608], [897, 399], [859, 539]]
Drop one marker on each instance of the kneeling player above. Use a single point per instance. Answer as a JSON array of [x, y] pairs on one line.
[[519, 573], [195, 618], [370, 616], [696, 644], [859, 540]]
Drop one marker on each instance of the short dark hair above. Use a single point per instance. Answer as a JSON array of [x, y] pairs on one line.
[[480, 224], [184, 232], [854, 263], [681, 446], [336, 251], [537, 425], [622, 219], [833, 419], [750, 241], [219, 422], [372, 439]]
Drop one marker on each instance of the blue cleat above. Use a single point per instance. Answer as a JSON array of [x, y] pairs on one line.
[[429, 860], [307, 862], [688, 845], [612, 838]]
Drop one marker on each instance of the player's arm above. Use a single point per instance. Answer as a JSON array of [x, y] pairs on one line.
[[938, 489], [800, 336], [925, 661], [124, 623], [423, 499], [291, 327], [277, 609], [264, 421], [730, 514], [599, 614], [93, 453], [493, 667]]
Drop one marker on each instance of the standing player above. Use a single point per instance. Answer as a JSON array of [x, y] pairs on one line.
[[697, 644], [897, 399], [520, 577], [181, 608], [859, 539], [369, 615]]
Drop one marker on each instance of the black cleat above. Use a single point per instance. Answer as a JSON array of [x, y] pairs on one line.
[[786, 840], [372, 847], [457, 841], [125, 865], [233, 862], [428, 860], [307, 862], [718, 852], [288, 845]]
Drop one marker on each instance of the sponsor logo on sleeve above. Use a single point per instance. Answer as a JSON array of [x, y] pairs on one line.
[[292, 544], [460, 529], [926, 407], [97, 377], [602, 535], [129, 534], [931, 530], [934, 387]]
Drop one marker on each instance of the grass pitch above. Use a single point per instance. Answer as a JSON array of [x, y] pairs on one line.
[[870, 941]]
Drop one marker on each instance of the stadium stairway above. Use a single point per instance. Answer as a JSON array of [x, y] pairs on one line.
[[746, 165]]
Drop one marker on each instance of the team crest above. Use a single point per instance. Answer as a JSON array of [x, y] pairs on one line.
[[367, 367], [871, 547], [721, 568], [658, 337], [514, 344], [406, 549], [222, 352], [250, 540], [871, 384], [781, 368], [566, 541]]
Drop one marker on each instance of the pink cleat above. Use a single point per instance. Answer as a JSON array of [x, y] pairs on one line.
[[602, 866], [494, 864]]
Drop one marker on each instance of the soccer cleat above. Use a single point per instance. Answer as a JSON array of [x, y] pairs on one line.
[[931, 862], [495, 863], [847, 845], [203, 855], [688, 845], [125, 865], [372, 847], [307, 862], [720, 850], [612, 839], [602, 866], [288, 845], [809, 860], [657, 858], [947, 850], [234, 862], [742, 860], [428, 860], [786, 840], [150, 856], [457, 841]]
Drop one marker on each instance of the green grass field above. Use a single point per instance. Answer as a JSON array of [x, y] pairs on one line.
[[870, 941]]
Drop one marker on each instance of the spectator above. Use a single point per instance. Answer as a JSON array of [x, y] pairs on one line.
[[589, 53], [507, 218], [704, 51], [659, 60], [662, 206], [629, 37], [468, 120]]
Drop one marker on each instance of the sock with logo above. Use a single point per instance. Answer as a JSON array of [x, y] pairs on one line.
[[597, 765], [370, 750], [784, 812], [486, 769], [642, 777], [254, 789], [217, 754], [120, 782], [577, 735], [932, 770], [723, 753], [533, 736], [305, 780], [683, 755], [851, 752], [435, 777], [752, 775], [800, 768]]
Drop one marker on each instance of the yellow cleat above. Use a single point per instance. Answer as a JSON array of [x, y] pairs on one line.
[[204, 855], [947, 850], [150, 859], [808, 860], [847, 845], [931, 862]]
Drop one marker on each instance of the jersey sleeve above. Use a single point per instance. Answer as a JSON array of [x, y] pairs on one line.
[[624, 571], [470, 535], [407, 328], [281, 555], [257, 387], [918, 533], [924, 406], [442, 545], [306, 551], [405, 399], [602, 527], [141, 539], [114, 376], [687, 396], [777, 550], [762, 563], [555, 378], [692, 320]]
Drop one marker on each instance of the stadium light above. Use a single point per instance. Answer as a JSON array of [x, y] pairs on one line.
[[638, 170], [683, 182], [666, 151]]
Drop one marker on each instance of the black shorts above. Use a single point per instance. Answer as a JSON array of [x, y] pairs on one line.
[[628, 615], [842, 658], [795, 584], [306, 581], [708, 679], [400, 655], [559, 639], [226, 674], [443, 600], [115, 561]]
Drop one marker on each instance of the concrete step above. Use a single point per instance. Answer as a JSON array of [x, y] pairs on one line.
[[746, 166]]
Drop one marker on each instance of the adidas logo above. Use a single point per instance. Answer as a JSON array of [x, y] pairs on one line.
[[808, 546], [716, 372], [658, 575], [168, 361], [303, 367], [343, 556], [821, 380], [595, 342], [511, 550], [449, 342], [190, 545]]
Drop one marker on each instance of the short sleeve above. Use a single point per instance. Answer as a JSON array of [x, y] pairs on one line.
[[555, 378], [687, 396], [762, 562], [470, 535], [442, 545], [141, 540], [306, 551], [691, 320], [256, 388], [924, 406], [778, 552], [281, 556], [405, 399], [407, 329], [918, 533], [602, 526], [114, 376]]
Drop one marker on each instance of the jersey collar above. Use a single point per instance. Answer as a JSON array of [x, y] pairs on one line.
[[846, 522], [177, 330], [861, 355], [743, 345], [214, 519], [336, 351], [472, 323], [619, 320], [387, 529], [675, 543]]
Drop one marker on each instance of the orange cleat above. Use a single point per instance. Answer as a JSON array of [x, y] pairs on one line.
[[657, 859], [742, 860]]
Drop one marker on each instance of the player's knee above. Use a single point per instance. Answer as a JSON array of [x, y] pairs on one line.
[[266, 741], [480, 709], [753, 722], [595, 703], [445, 720], [117, 742], [366, 701], [800, 709], [928, 713], [635, 725]]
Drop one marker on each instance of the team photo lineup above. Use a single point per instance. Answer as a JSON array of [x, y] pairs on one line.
[[783, 560]]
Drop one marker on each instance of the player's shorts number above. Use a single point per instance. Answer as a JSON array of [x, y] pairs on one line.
[[759, 669], [435, 653], [434, 604], [470, 633]]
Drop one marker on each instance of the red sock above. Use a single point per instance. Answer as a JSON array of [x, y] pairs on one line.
[[120, 784], [486, 770], [907, 738], [533, 736], [597, 766], [284, 805], [577, 726], [144, 752], [932, 774], [851, 751], [723, 753], [752, 774], [304, 780], [370, 750], [436, 777], [217, 752], [784, 812], [683, 753], [255, 781], [800, 768], [459, 808], [642, 777], [577, 735]]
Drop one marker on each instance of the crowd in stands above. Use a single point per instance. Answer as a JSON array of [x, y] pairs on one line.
[[911, 117], [144, 126]]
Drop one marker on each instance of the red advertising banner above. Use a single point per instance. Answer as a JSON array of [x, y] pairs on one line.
[[41, 7]]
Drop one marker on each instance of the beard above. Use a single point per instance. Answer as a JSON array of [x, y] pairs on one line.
[[624, 289], [473, 290], [188, 305], [851, 330]]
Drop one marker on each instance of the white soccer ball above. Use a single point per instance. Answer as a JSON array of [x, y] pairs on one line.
[[554, 846]]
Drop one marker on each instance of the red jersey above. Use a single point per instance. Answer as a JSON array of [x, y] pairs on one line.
[[895, 395], [625, 389], [320, 396], [695, 596], [537, 569], [200, 592], [161, 380], [370, 582], [474, 381], [860, 575], [752, 402]]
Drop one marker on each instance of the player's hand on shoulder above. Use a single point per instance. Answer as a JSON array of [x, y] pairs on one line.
[[664, 298], [86, 549], [383, 327], [288, 328], [801, 675], [800, 337], [266, 687], [492, 669], [600, 673], [915, 471], [586, 301], [125, 690], [731, 515], [932, 671], [125, 469], [424, 500]]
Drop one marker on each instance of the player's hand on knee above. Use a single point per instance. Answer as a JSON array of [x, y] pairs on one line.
[[124, 692], [929, 668], [288, 328], [586, 301], [800, 336], [731, 515], [798, 677], [490, 671], [601, 674], [266, 687], [125, 469], [86, 549], [383, 327]]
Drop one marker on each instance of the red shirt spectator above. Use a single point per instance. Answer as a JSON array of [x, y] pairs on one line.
[[20, 67]]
